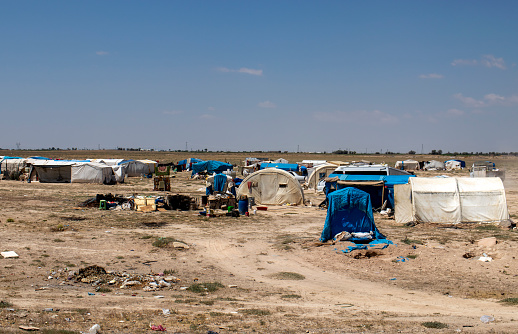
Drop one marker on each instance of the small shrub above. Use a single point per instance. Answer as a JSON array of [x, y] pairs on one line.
[[488, 228], [291, 296], [434, 324], [411, 241], [286, 275], [103, 289], [412, 256], [58, 240], [145, 237], [10, 220], [205, 287], [169, 272], [161, 242], [255, 311], [4, 304], [510, 301]]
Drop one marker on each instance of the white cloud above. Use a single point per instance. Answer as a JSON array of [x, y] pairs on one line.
[[460, 62], [469, 101], [172, 112], [492, 61], [267, 104], [431, 76], [207, 117], [485, 60], [362, 116], [455, 112], [489, 100], [102, 53], [241, 70]]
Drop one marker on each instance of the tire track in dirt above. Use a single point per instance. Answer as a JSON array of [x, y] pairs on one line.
[[327, 292]]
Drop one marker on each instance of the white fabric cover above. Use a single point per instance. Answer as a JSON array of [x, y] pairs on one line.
[[452, 165], [407, 165], [451, 200], [318, 173], [272, 186], [119, 172], [91, 172], [140, 167], [12, 165]]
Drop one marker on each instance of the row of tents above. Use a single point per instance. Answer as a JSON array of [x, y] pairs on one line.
[[103, 171], [411, 165]]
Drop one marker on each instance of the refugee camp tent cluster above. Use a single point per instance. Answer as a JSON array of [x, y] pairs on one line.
[[105, 171]]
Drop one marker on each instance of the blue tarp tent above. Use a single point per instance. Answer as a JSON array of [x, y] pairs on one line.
[[349, 210], [211, 166], [378, 194], [187, 163], [286, 167]]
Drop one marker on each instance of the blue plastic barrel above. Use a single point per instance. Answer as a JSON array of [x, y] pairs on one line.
[[243, 206]]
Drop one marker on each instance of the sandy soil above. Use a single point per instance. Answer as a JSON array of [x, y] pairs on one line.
[[265, 273]]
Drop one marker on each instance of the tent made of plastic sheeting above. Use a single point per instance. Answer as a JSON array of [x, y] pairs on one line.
[[187, 163], [52, 171], [12, 164], [139, 167], [349, 210], [454, 164], [91, 172], [407, 165], [119, 173], [318, 173], [451, 200], [211, 166], [379, 187], [283, 166], [109, 162], [433, 165], [272, 186]]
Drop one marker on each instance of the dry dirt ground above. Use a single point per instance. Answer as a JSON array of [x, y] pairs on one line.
[[264, 273]]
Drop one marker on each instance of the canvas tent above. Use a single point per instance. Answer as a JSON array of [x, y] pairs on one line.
[[90, 172], [349, 210], [454, 164], [272, 186], [320, 172], [52, 171], [450, 200], [433, 165], [12, 164], [407, 165], [139, 167]]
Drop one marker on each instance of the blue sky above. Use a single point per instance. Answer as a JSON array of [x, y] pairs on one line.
[[260, 75]]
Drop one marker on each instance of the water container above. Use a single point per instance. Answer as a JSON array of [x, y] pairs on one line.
[[243, 206]]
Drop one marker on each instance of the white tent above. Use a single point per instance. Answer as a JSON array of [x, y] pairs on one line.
[[320, 172], [12, 165], [407, 165], [140, 167], [52, 171], [433, 165], [272, 186], [453, 165], [450, 200], [90, 172], [109, 162]]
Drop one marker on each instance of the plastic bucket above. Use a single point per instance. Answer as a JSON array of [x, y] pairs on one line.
[[243, 206]]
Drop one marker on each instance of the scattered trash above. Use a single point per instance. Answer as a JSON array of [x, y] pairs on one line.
[[487, 319], [9, 254], [393, 279], [402, 259], [166, 311], [232, 286], [157, 328], [49, 309], [91, 294], [177, 244], [485, 258], [94, 329], [159, 297]]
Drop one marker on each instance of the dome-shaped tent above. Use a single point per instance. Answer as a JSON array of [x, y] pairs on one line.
[[272, 186]]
